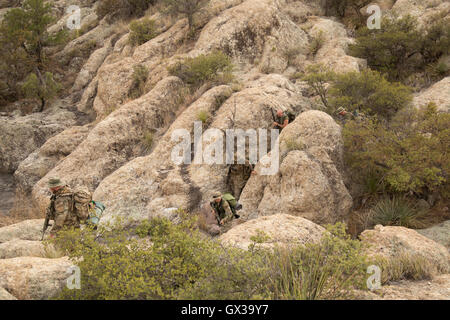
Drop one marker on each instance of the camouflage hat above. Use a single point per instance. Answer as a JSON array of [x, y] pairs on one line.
[[216, 194], [54, 182]]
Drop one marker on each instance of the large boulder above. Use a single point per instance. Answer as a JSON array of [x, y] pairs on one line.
[[309, 182], [283, 230], [147, 185], [255, 31], [5, 295], [19, 136], [389, 242], [25, 230], [439, 233], [34, 278], [115, 140], [438, 93], [425, 11], [333, 52], [22, 248], [41, 161]]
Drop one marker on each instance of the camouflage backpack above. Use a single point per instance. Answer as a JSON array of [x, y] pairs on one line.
[[81, 198], [235, 206]]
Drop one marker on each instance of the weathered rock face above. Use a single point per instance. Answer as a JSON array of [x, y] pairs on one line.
[[439, 93], [255, 29], [19, 136], [309, 183], [40, 162], [147, 185], [439, 233], [34, 278], [425, 11], [5, 295], [333, 53], [21, 248], [283, 230], [25, 230], [390, 241], [116, 140]]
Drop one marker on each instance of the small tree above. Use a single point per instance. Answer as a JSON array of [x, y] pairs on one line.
[[23, 38], [42, 88], [185, 7], [318, 77]]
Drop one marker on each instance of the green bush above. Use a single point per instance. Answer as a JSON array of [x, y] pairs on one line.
[[369, 92], [396, 211], [158, 259], [140, 75], [215, 67], [409, 154], [23, 42], [203, 116], [399, 48], [317, 43], [187, 8], [142, 31], [123, 8], [43, 90]]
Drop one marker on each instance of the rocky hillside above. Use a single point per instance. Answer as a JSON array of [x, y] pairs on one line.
[[99, 133]]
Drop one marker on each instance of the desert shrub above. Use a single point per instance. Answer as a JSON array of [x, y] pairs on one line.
[[140, 75], [293, 144], [188, 8], [157, 259], [147, 141], [397, 211], [326, 270], [23, 42], [317, 77], [142, 31], [123, 8], [316, 43], [43, 89], [215, 67], [203, 116], [405, 266], [399, 48], [409, 154], [369, 92]]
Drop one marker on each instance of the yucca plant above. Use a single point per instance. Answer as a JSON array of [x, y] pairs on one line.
[[397, 211]]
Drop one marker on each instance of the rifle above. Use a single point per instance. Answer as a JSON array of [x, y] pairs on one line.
[[47, 218], [215, 213]]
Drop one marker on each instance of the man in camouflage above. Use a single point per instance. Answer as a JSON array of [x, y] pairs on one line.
[[222, 208], [281, 120], [61, 208]]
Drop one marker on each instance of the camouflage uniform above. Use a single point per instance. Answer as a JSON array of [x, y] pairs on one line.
[[223, 210], [281, 120], [61, 210]]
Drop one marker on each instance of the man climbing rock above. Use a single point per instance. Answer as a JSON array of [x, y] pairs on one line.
[[225, 207], [281, 120], [67, 208]]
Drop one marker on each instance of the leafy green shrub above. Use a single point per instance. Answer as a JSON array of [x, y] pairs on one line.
[[399, 48], [142, 31], [214, 67], [326, 270], [23, 42], [368, 92], [187, 8], [140, 75], [123, 8], [158, 259], [43, 89], [397, 212], [409, 154], [203, 116]]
